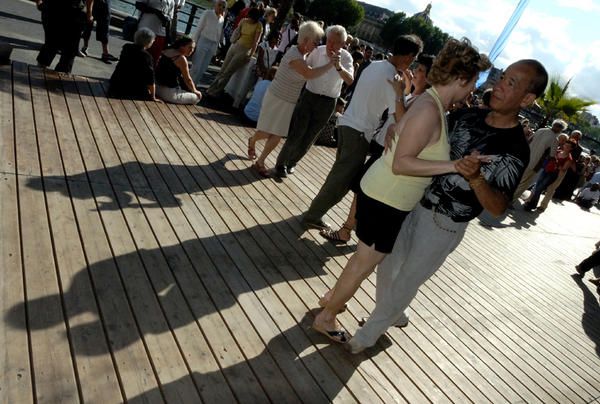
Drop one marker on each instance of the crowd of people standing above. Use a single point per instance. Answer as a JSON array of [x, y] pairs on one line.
[[433, 166]]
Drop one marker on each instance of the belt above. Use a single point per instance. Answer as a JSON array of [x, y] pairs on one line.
[[322, 96]]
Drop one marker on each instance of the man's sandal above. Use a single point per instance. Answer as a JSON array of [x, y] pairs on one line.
[[333, 236]]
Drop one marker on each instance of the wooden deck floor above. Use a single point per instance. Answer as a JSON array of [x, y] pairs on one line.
[[143, 261]]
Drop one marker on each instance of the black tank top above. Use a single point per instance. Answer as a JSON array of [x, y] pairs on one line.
[[167, 73]]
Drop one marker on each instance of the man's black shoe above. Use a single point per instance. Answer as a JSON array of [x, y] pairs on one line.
[[280, 172], [318, 224]]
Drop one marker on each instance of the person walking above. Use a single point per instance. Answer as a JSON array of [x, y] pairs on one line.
[[63, 22], [207, 36]]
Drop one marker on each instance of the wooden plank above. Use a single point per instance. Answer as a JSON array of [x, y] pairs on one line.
[[524, 294], [279, 243], [126, 346], [163, 352], [241, 330], [240, 212], [54, 374], [215, 331], [84, 329], [15, 373]]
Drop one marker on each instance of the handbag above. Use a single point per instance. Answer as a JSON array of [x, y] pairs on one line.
[[550, 165]]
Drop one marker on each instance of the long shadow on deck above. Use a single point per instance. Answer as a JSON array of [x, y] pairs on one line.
[[166, 288], [294, 360], [120, 196], [590, 319]]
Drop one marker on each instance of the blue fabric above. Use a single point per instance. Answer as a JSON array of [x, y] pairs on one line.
[[503, 38], [252, 109]]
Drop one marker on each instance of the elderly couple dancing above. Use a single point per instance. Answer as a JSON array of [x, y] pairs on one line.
[[407, 223]]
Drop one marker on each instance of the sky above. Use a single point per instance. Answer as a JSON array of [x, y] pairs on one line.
[[559, 33]]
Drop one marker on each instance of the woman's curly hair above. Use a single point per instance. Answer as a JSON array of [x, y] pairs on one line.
[[457, 59]]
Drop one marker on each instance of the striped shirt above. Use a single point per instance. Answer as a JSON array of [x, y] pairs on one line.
[[288, 83]]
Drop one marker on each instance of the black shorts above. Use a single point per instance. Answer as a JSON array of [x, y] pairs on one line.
[[377, 223], [101, 13]]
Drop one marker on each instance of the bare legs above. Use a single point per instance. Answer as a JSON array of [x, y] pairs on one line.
[[358, 268], [342, 235], [271, 143]]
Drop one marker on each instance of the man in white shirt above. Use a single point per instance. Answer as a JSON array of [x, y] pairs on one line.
[[317, 101], [374, 94], [542, 140], [207, 37]]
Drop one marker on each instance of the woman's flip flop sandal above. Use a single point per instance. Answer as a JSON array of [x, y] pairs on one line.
[[338, 336]]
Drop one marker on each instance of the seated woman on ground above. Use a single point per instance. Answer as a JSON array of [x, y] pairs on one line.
[[281, 97], [173, 81], [133, 77], [395, 183], [252, 108]]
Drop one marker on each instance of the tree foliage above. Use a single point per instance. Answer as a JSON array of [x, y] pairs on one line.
[[433, 38], [282, 13], [343, 12], [557, 104]]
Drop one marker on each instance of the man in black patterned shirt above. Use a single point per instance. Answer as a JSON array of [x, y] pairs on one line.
[[496, 156]]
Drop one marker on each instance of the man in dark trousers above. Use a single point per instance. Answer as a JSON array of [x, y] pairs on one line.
[[63, 22], [589, 263]]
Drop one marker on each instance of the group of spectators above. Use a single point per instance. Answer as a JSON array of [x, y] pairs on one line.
[[557, 167]]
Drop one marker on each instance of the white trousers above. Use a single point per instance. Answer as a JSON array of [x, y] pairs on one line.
[[421, 248]]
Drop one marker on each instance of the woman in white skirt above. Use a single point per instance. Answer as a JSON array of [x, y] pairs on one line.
[[281, 97]]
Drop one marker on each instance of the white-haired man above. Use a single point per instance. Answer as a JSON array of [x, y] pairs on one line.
[[543, 140], [317, 102]]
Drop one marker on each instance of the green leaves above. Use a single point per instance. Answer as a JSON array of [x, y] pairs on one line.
[[557, 104], [433, 38], [343, 12]]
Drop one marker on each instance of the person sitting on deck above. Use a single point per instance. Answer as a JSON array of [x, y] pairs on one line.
[[589, 196], [174, 83], [252, 108], [133, 77]]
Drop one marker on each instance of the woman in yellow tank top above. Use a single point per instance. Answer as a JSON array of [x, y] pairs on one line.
[[396, 182], [248, 35]]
